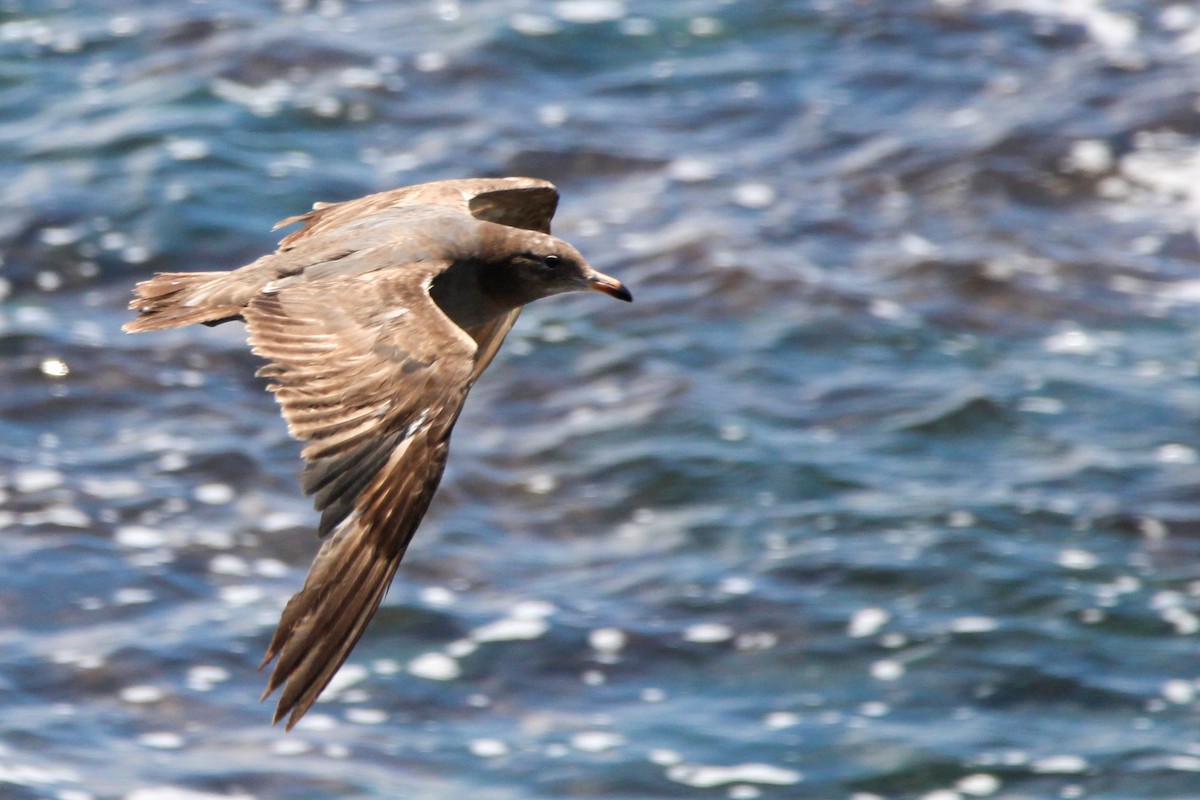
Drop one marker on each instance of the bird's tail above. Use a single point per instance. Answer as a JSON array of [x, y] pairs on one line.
[[172, 299]]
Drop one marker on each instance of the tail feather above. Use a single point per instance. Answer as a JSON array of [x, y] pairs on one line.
[[173, 299]]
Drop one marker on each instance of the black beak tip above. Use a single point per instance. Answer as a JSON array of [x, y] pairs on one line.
[[611, 287]]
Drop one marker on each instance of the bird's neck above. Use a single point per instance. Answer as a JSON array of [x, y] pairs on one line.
[[470, 295]]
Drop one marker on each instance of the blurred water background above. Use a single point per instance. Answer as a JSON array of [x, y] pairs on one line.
[[885, 487]]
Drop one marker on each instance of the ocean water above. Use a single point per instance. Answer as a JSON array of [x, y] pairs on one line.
[[885, 487]]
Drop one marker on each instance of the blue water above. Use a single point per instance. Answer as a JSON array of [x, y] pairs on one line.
[[884, 487]]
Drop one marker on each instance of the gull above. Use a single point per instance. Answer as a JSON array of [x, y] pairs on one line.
[[376, 318]]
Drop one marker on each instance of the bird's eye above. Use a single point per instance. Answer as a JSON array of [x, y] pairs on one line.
[[552, 261]]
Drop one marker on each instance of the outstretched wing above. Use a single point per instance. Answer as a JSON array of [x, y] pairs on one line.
[[518, 202], [372, 375]]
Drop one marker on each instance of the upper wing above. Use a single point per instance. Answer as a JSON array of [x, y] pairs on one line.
[[372, 375], [519, 202]]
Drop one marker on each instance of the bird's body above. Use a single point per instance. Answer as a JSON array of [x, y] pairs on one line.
[[376, 318]]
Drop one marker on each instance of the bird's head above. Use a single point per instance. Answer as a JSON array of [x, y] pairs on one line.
[[539, 265]]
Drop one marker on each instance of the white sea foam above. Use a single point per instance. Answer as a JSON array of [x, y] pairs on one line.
[[434, 667], [708, 776], [867, 622]]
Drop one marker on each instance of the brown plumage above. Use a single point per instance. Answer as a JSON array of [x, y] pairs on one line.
[[376, 318]]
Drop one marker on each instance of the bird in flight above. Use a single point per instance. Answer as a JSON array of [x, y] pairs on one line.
[[375, 318]]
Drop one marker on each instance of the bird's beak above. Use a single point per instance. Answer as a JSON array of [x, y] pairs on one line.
[[600, 282]]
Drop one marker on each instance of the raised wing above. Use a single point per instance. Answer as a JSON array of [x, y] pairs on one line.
[[372, 375], [519, 202]]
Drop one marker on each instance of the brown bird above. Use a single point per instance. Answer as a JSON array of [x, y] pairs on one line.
[[376, 317]]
